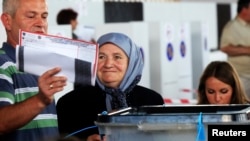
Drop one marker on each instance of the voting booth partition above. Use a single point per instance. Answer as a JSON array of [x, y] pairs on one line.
[[170, 63], [184, 61], [163, 52], [200, 50]]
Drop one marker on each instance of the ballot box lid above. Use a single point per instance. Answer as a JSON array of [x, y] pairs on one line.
[[177, 114]]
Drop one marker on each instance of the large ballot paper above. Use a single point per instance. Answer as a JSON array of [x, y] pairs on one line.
[[37, 53]]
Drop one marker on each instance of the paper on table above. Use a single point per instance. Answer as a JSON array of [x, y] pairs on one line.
[[38, 53]]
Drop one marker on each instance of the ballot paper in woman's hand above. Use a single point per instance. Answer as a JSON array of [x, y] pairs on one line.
[[37, 53]]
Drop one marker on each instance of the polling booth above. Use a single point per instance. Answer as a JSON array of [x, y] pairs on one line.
[[200, 50], [184, 59], [138, 32], [171, 61], [163, 59]]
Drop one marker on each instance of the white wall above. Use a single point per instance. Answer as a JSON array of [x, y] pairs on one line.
[[2, 31], [217, 1], [90, 12], [184, 12], [233, 10]]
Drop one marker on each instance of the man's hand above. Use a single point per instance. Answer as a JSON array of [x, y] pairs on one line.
[[49, 84]]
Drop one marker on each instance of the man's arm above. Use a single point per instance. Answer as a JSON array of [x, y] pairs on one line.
[[15, 116], [235, 50]]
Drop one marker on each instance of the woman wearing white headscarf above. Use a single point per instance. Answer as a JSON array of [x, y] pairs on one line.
[[119, 70]]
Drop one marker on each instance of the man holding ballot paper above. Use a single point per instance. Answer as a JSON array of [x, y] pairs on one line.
[[27, 105]]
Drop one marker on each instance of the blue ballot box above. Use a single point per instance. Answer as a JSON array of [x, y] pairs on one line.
[[173, 122]]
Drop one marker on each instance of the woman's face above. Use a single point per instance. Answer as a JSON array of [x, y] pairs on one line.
[[218, 92], [112, 65]]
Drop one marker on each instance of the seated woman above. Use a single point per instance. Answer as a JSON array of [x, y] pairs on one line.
[[220, 84], [119, 70]]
